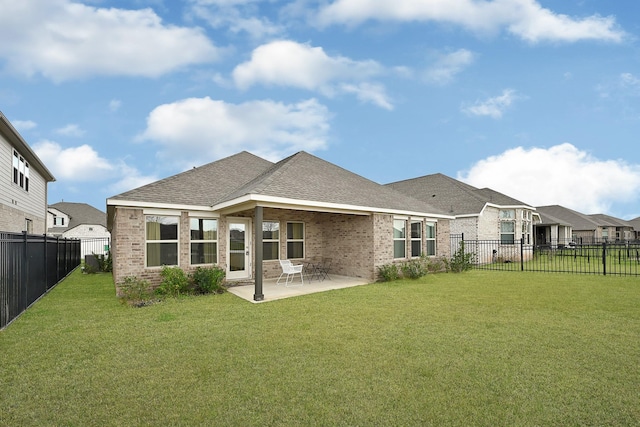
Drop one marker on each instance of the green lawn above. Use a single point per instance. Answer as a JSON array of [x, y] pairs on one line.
[[477, 348]]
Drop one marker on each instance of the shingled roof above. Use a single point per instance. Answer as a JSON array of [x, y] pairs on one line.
[[452, 196], [201, 186], [307, 178], [579, 221], [301, 179], [79, 214]]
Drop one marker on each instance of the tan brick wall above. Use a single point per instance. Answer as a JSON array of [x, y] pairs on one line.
[[357, 244], [14, 221]]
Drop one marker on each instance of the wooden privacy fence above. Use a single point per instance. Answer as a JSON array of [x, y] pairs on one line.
[[578, 257], [30, 265]]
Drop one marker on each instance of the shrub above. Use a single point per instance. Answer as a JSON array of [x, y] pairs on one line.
[[207, 280], [105, 263], [415, 268], [135, 292], [436, 265], [460, 261], [388, 272], [174, 282]]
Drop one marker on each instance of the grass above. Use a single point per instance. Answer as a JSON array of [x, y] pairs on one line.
[[479, 348]]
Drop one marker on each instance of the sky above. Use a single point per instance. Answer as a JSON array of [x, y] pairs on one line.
[[539, 100]]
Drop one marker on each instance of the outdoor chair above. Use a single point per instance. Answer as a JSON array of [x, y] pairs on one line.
[[324, 268], [290, 270]]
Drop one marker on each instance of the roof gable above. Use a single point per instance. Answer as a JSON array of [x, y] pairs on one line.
[[305, 177]]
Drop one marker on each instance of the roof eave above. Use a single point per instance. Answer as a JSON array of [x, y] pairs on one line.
[[252, 200]]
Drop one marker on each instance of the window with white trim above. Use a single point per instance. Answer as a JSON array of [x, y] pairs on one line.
[[20, 171], [270, 240], [430, 238], [507, 226], [161, 240], [507, 232], [204, 240], [58, 221], [416, 238], [399, 238], [295, 240]]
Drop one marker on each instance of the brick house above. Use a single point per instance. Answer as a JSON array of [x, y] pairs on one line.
[[593, 228], [23, 184], [480, 213], [244, 213]]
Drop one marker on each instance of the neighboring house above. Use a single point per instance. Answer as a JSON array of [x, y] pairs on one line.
[[635, 223], [23, 184], [480, 214], [244, 213], [590, 228], [552, 232], [80, 221], [612, 228]]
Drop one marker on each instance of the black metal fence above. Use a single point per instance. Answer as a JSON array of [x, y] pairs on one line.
[[30, 265], [594, 257], [95, 246]]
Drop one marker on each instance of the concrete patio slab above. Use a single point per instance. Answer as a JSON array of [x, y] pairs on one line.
[[274, 292]]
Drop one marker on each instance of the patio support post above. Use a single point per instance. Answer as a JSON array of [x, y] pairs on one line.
[[258, 295]]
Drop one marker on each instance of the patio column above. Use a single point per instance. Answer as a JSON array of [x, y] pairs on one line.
[[258, 295]]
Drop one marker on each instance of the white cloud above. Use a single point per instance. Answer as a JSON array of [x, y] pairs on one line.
[[24, 125], [291, 64], [560, 175], [239, 16], [75, 166], [447, 66], [526, 19], [71, 130], [64, 40], [198, 130], [492, 107], [80, 163], [369, 93], [129, 178]]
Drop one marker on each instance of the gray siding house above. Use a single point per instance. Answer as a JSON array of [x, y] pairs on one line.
[[244, 213], [23, 184]]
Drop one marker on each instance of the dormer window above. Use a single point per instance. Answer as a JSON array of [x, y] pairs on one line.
[[58, 221]]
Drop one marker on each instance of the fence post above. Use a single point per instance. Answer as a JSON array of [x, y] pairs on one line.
[[522, 254], [604, 258]]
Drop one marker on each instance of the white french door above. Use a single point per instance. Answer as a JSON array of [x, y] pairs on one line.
[[238, 248]]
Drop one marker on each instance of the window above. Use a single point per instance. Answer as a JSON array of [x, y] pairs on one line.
[[20, 171], [162, 240], [28, 225], [416, 238], [204, 240], [295, 240], [605, 233], [507, 214], [431, 239], [58, 220], [507, 232], [270, 240], [526, 226], [399, 238]]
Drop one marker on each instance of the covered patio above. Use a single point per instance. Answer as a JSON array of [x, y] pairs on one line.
[[273, 292]]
